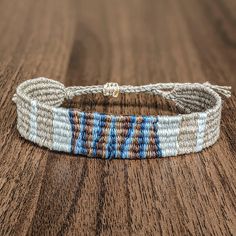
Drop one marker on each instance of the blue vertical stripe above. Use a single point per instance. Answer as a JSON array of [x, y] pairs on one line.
[[157, 140], [144, 136], [96, 131], [126, 145], [80, 149], [114, 140], [101, 124], [111, 144]]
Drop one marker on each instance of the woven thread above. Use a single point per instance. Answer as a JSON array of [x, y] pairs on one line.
[[42, 121]]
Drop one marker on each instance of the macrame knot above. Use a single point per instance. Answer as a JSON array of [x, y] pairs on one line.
[[68, 93], [111, 89]]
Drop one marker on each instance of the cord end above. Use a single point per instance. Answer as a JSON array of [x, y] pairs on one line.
[[14, 98], [224, 91]]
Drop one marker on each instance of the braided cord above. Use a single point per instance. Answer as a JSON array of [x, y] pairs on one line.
[[156, 89], [161, 89]]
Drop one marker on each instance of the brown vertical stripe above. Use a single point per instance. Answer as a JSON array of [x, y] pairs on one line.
[[101, 151], [75, 135], [123, 126], [135, 144]]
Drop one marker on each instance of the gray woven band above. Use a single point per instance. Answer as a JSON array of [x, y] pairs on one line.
[[42, 120]]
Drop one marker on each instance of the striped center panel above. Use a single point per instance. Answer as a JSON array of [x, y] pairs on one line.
[[110, 138]]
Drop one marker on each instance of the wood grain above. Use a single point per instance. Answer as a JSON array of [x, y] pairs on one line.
[[88, 42]]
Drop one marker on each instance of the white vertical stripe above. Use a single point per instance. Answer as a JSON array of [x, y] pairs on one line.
[[62, 133], [33, 121], [201, 130], [168, 131]]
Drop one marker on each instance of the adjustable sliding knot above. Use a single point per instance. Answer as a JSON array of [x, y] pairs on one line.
[[68, 93], [111, 89]]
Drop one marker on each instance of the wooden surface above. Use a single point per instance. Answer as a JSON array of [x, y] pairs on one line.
[[87, 42]]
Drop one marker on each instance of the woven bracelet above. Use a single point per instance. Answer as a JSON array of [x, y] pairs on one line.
[[42, 120]]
